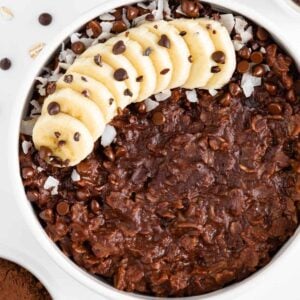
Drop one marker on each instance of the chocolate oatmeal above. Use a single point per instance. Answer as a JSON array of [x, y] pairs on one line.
[[199, 189]]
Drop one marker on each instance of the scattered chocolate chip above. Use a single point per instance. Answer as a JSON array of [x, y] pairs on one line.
[[5, 64], [62, 208], [119, 48], [140, 78], [98, 60], [45, 153], [190, 59], [243, 66], [158, 118], [219, 57], [51, 88], [61, 143], [164, 71], [85, 93], [45, 19], [274, 108], [258, 71], [119, 26], [78, 47], [68, 78], [147, 51], [53, 108], [128, 92], [83, 79], [95, 28], [191, 8], [76, 137], [164, 41], [120, 74], [262, 34], [182, 33], [244, 53], [215, 69], [257, 57], [111, 101], [132, 13], [57, 134], [234, 89]]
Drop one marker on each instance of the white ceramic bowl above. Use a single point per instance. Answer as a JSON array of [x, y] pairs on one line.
[[107, 291]]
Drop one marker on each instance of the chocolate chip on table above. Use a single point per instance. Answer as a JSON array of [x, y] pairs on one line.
[[45, 153], [244, 53], [120, 74], [258, 71], [68, 78], [53, 108], [62, 208], [257, 57], [191, 8], [95, 27], [275, 108], [76, 137], [98, 60], [243, 66], [234, 89], [78, 47], [219, 57], [215, 69], [45, 19], [5, 64], [164, 71], [262, 34], [132, 12], [158, 118], [119, 26], [164, 41], [119, 48]]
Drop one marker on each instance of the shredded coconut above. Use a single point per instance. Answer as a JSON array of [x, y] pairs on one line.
[[107, 17], [26, 146], [213, 92], [192, 96], [150, 104], [75, 176], [51, 183], [248, 83], [228, 21], [27, 126], [6, 14], [108, 135], [164, 95]]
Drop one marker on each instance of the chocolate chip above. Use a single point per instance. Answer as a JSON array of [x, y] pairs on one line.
[[271, 88], [219, 57], [140, 78], [150, 17], [111, 101], [164, 41], [5, 64], [120, 74], [32, 196], [215, 69], [274, 108], [47, 215], [78, 47], [257, 57], [147, 51], [85, 93], [51, 88], [132, 13], [45, 19], [53, 108], [57, 134], [128, 92], [95, 28], [190, 59], [119, 26], [234, 89], [45, 153], [27, 172], [83, 79], [108, 152], [224, 99], [258, 71], [262, 34], [68, 78], [191, 8], [243, 66], [76, 137], [61, 143], [141, 107], [291, 96], [158, 118], [244, 53], [62, 208], [98, 60], [95, 206], [182, 33], [164, 71], [119, 48]]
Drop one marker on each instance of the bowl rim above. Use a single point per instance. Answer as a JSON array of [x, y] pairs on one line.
[[38, 232]]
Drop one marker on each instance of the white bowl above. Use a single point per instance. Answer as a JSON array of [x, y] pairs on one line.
[[107, 291]]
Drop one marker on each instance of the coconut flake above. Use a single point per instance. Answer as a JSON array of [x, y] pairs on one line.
[[150, 104], [227, 21], [75, 37], [247, 35], [124, 18], [213, 92], [36, 49], [159, 12], [51, 183], [108, 135], [167, 9], [26, 146], [180, 11], [164, 95], [107, 17], [263, 50], [36, 110], [6, 14], [40, 169], [240, 25], [67, 56], [238, 45], [139, 20], [27, 126], [248, 83], [89, 32], [192, 96], [75, 176], [150, 6], [106, 26]]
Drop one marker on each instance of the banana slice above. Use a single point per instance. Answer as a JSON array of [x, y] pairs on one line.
[[142, 64], [178, 51], [65, 136], [79, 107], [201, 48], [222, 41], [158, 54], [93, 90], [104, 74]]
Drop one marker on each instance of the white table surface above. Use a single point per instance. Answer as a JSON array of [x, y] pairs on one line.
[[16, 37]]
